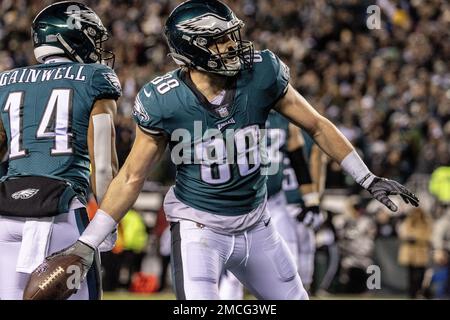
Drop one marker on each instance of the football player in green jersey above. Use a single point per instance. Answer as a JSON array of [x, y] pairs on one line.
[[56, 121], [211, 112]]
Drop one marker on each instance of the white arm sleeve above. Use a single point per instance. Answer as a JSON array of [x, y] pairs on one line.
[[98, 229], [355, 167], [102, 153]]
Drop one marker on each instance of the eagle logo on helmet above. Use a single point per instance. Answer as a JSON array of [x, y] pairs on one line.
[[207, 23], [76, 15]]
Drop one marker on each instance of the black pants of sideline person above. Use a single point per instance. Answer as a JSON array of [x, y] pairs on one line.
[[415, 280]]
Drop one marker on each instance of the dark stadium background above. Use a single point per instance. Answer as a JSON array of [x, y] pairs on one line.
[[387, 90]]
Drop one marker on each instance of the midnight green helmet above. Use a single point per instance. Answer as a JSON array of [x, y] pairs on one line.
[[71, 29], [195, 26]]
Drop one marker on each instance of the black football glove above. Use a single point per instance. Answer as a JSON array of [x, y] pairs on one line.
[[85, 252], [311, 217], [382, 188]]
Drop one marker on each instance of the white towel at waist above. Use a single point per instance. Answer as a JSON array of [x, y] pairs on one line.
[[36, 236]]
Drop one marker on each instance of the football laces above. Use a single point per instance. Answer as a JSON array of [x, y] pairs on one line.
[[55, 274]]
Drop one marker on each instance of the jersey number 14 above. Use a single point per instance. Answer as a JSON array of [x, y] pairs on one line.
[[54, 124]]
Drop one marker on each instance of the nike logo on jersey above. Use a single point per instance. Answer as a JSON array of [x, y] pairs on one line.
[[147, 94], [266, 223], [24, 194]]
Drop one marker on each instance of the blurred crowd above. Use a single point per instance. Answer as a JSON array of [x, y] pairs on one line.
[[387, 89], [366, 247]]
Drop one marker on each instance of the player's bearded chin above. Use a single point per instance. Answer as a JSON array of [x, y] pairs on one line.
[[233, 63], [230, 59]]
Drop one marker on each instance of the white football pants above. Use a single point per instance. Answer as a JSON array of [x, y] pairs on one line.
[[306, 246], [283, 222], [258, 257], [230, 288], [67, 228]]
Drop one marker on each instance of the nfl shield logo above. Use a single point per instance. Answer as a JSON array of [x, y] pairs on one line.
[[223, 111]]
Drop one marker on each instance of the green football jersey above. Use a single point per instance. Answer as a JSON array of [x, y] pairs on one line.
[[290, 184], [217, 149], [278, 135], [46, 110]]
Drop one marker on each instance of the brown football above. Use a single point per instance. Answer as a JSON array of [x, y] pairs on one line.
[[54, 279]]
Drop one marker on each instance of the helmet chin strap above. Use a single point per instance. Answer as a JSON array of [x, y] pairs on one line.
[[69, 49]]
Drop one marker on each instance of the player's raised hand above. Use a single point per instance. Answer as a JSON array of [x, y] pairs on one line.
[[382, 188]]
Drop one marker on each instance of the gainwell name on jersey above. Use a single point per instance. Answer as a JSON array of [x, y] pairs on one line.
[[31, 75]]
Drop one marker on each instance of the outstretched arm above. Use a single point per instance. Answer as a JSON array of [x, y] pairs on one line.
[[318, 167], [294, 107], [125, 188]]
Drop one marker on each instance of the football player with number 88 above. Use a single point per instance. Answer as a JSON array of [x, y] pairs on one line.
[[222, 222]]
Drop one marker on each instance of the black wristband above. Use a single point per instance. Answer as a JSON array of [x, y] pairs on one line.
[[300, 166]]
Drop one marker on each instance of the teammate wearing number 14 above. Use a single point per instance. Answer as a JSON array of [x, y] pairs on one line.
[[57, 121], [218, 209]]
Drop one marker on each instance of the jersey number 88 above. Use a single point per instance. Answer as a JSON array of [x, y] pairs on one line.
[[215, 165]]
